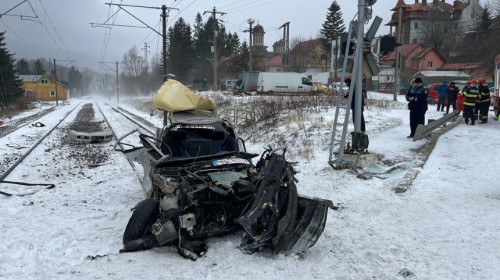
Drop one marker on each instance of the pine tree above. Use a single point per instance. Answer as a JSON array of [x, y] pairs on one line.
[[333, 26], [180, 50], [23, 67], [10, 83], [231, 44], [198, 34], [74, 79], [485, 21], [38, 68]]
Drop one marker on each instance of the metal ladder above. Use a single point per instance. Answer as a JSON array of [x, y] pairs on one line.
[[339, 160]]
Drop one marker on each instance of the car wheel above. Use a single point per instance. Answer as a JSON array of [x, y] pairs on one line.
[[430, 101], [144, 215]]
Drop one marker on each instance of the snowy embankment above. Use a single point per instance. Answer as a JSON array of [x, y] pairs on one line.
[[444, 227]]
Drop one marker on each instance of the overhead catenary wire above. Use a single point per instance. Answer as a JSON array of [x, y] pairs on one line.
[[107, 33], [244, 8], [240, 3], [180, 11], [54, 36], [6, 13], [62, 46], [36, 50]]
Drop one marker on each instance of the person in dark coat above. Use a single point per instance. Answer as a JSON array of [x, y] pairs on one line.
[[348, 83], [452, 97], [417, 104]]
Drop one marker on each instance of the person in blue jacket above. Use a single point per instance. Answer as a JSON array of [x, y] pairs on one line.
[[442, 90], [417, 104]]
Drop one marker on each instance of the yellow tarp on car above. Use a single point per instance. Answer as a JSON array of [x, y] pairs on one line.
[[173, 96]]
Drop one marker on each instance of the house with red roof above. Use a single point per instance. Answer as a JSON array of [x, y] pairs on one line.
[[275, 64], [416, 57]]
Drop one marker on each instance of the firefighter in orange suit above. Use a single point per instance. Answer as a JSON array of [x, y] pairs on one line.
[[470, 93], [484, 101]]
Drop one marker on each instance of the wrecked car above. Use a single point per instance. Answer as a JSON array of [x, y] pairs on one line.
[[201, 182]]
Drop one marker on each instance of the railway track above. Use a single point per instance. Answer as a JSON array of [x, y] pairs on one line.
[[142, 126], [117, 119], [12, 126], [6, 171]]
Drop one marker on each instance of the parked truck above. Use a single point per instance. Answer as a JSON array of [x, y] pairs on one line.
[[288, 82], [247, 82]]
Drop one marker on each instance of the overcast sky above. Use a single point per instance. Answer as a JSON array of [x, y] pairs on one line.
[[63, 29]]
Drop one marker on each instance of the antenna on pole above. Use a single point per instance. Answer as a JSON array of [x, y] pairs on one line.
[[250, 21], [286, 45]]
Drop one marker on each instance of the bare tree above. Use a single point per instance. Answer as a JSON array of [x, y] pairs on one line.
[[494, 7], [305, 53], [435, 29], [133, 64]]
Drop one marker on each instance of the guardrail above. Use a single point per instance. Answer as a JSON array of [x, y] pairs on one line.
[[424, 130]]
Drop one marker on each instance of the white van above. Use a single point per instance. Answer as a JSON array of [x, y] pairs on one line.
[[283, 82]]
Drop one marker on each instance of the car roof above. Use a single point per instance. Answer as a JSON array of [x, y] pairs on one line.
[[194, 117]]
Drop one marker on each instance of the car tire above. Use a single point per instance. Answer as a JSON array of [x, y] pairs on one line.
[[144, 215], [430, 101]]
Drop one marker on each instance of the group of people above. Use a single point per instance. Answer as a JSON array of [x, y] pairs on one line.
[[476, 104], [477, 101], [447, 96]]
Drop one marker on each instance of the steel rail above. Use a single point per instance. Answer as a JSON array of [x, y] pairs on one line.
[[125, 112], [8, 129], [139, 176], [11, 168]]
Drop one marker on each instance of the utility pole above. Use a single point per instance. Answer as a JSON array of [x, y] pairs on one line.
[[146, 51], [3, 90], [106, 85], [55, 81], [55, 78], [164, 16], [250, 34], [336, 57], [216, 34], [286, 45], [117, 86], [117, 83]]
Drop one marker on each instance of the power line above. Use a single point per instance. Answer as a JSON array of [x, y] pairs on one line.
[[63, 47], [227, 7], [183, 9], [244, 8], [6, 13], [22, 39], [107, 33], [54, 37]]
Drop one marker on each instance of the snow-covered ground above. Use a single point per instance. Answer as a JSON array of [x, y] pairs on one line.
[[445, 226]]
